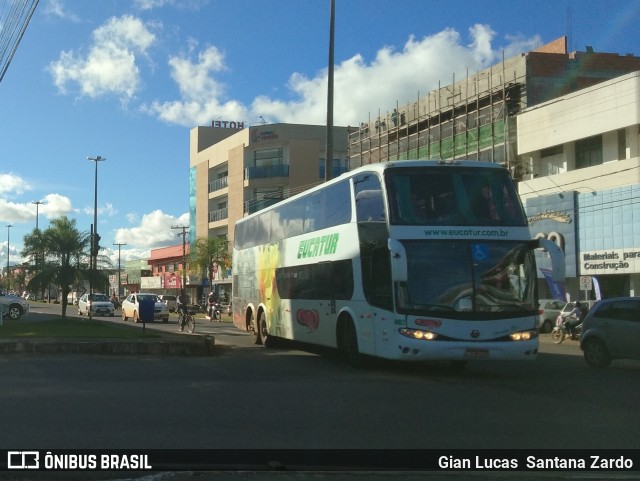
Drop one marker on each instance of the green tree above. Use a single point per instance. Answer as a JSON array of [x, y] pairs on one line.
[[64, 255], [206, 252]]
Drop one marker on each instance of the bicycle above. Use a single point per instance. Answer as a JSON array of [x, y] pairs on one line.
[[189, 321]]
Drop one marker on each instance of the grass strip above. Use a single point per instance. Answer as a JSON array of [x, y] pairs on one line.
[[72, 328]]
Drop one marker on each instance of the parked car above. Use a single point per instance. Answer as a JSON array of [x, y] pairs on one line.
[[131, 307], [169, 300], [99, 304], [13, 306], [611, 330], [548, 312]]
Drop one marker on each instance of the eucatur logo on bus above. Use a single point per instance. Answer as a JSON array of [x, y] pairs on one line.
[[318, 246]]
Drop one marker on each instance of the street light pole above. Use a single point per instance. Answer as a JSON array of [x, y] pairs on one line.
[[37, 203], [93, 258], [119, 244], [9, 226]]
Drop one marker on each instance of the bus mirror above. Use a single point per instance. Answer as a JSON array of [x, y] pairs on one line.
[[557, 258], [398, 260]]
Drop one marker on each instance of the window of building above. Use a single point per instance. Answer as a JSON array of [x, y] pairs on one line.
[[622, 144], [268, 157], [589, 152], [550, 151]]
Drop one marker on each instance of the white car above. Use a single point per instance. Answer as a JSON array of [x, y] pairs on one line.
[[13, 306], [99, 304], [131, 307], [548, 312]]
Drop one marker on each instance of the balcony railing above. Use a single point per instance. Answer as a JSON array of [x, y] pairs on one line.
[[218, 184], [220, 214], [266, 171]]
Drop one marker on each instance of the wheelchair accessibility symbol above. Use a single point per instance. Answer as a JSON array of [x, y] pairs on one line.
[[480, 252]]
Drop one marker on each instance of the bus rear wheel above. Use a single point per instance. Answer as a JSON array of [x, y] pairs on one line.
[[263, 330], [253, 329]]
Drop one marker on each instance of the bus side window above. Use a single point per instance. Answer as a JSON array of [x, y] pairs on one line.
[[369, 201]]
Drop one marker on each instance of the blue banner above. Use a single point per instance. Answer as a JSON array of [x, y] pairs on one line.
[[556, 288]]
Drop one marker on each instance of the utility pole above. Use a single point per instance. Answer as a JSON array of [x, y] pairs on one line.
[[184, 252], [9, 226], [119, 244], [328, 161]]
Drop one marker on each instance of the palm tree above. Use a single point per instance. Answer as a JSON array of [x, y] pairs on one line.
[[63, 251], [208, 252]]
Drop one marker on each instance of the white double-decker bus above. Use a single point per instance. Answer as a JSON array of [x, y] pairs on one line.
[[408, 260]]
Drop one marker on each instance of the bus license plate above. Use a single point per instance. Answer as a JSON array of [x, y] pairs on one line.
[[477, 353]]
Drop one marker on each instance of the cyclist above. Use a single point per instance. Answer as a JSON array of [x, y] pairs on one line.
[[181, 307]]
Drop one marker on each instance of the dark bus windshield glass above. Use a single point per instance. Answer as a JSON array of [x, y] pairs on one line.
[[436, 196], [474, 279]]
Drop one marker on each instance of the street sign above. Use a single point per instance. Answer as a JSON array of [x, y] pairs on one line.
[[586, 283]]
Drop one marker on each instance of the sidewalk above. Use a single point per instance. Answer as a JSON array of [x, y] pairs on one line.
[[165, 344]]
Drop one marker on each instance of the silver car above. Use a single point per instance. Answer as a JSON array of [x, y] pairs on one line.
[[13, 307], [611, 330], [99, 304]]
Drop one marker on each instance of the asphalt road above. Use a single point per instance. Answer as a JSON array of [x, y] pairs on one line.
[[298, 396]]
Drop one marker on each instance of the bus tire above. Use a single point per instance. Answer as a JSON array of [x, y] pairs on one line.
[[349, 344], [253, 328], [263, 330]]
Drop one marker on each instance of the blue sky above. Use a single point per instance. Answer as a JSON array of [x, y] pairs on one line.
[[127, 80]]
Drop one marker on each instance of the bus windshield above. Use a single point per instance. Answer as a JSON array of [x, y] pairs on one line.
[[461, 196], [468, 279]]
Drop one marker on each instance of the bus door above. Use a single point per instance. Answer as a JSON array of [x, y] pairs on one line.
[[374, 258]]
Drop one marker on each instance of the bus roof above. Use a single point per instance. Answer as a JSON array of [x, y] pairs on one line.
[[380, 167]]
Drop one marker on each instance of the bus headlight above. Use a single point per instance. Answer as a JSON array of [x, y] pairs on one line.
[[418, 334], [524, 335]]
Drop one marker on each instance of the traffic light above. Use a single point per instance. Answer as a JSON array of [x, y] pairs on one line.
[[95, 245]]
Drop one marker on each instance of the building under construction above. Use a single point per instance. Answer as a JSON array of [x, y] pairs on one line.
[[475, 117]]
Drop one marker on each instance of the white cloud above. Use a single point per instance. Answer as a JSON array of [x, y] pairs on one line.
[[361, 87], [53, 205], [56, 9], [201, 95], [110, 66], [154, 231], [11, 184]]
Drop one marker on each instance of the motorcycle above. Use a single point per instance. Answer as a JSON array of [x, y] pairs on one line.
[[563, 331], [215, 312]]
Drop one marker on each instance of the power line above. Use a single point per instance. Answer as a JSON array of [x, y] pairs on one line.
[[13, 27]]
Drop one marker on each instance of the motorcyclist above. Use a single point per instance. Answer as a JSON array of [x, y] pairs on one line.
[[181, 306], [574, 318], [212, 301]]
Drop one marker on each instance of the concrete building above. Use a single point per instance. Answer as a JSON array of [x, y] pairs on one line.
[[475, 117], [567, 125], [581, 187], [236, 171]]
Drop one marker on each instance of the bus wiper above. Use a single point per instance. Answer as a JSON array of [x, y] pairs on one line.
[[437, 307]]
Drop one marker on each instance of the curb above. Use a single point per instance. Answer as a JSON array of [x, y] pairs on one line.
[[197, 346]]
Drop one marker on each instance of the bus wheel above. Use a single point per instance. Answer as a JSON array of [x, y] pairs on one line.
[[253, 329], [350, 345], [263, 331]]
